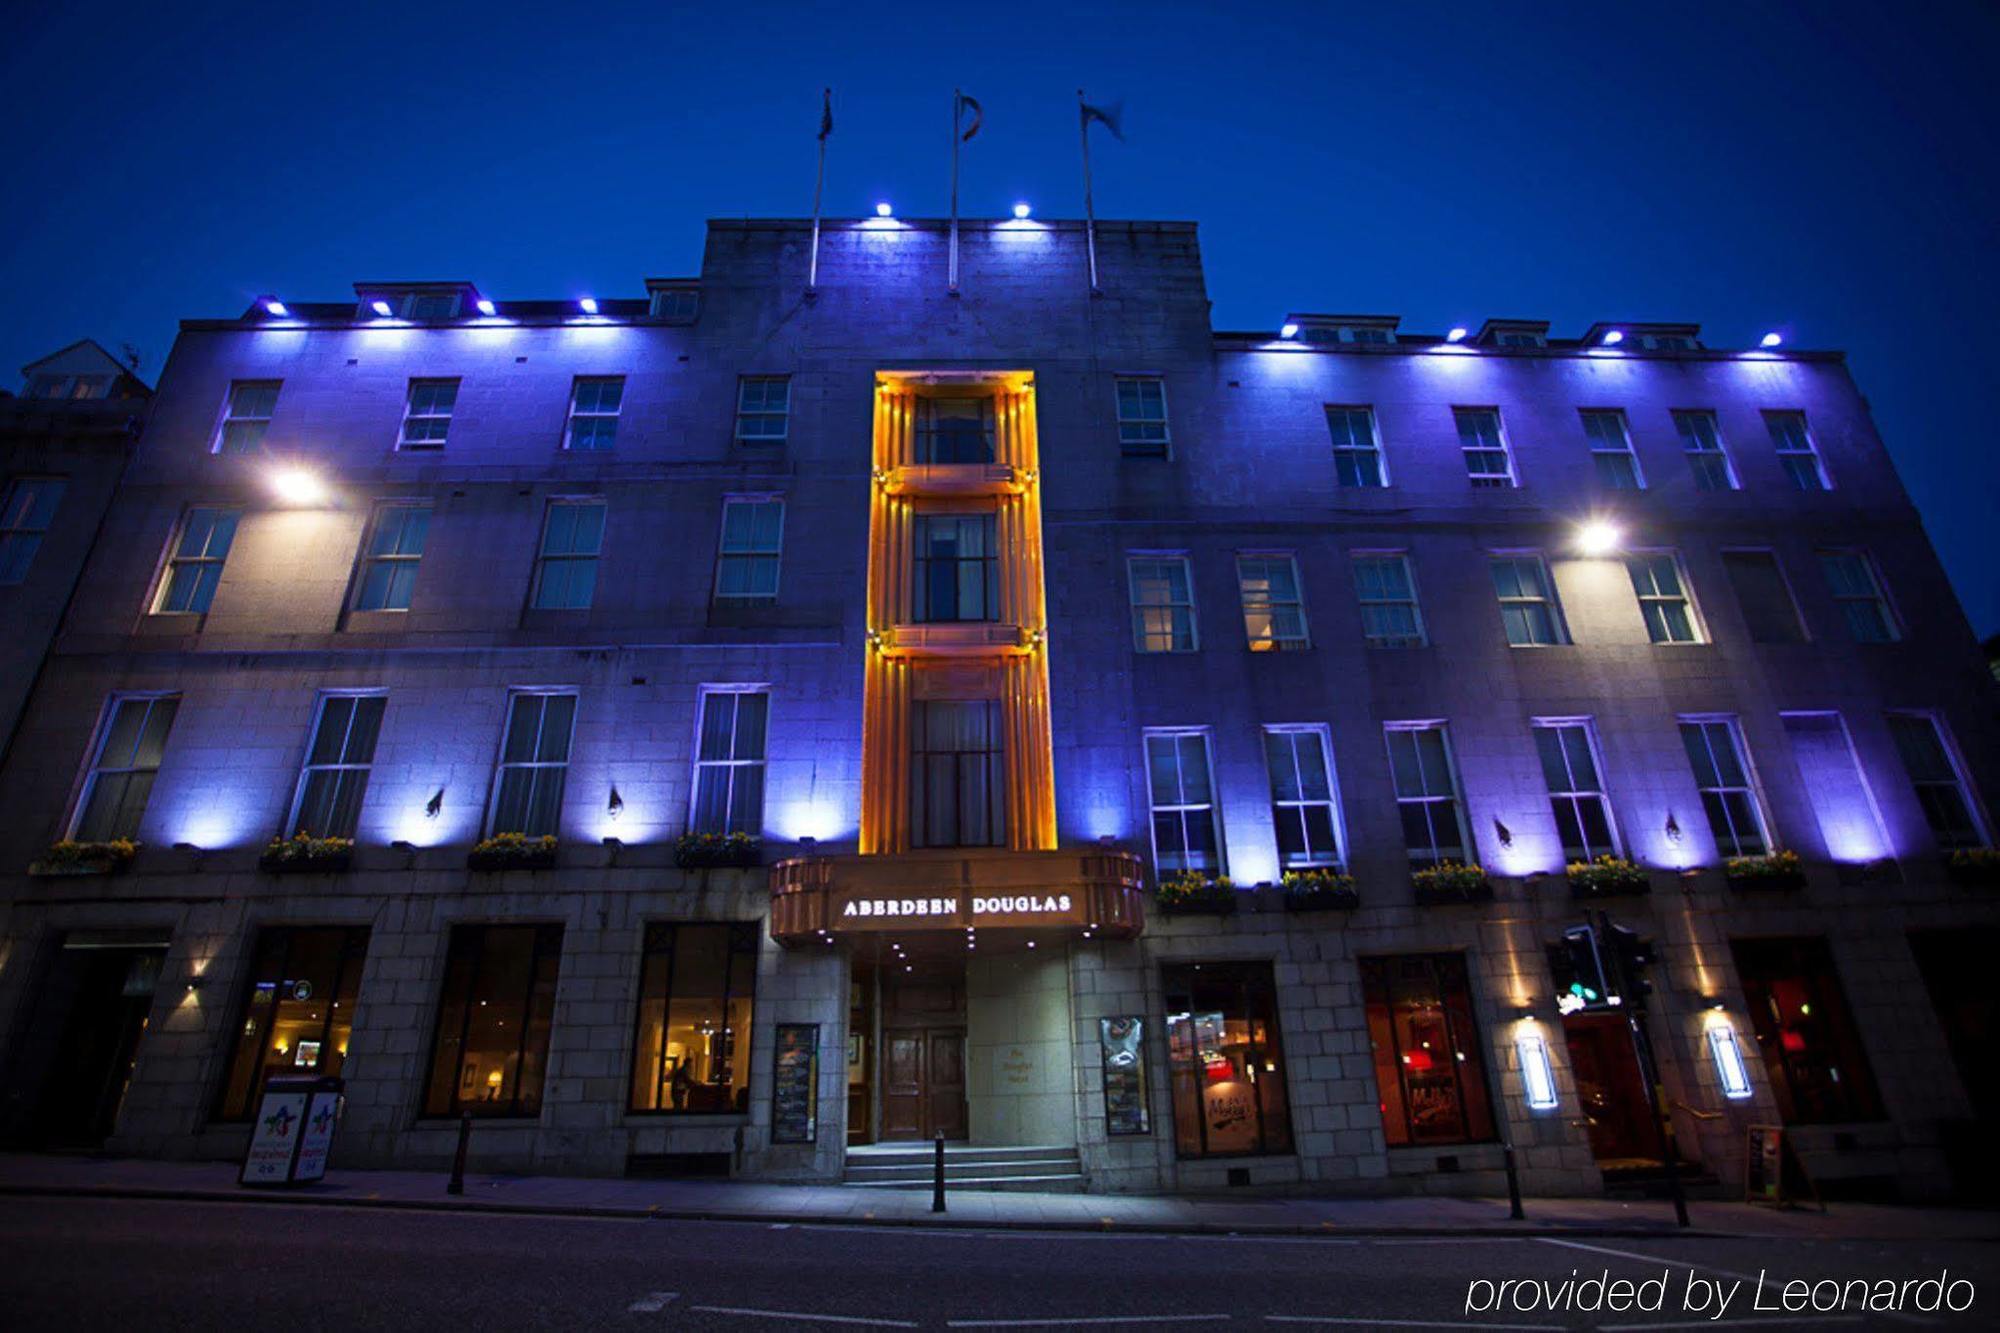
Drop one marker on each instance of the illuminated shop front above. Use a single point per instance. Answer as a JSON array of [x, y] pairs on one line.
[[298, 1011], [1429, 1064], [1227, 1061]]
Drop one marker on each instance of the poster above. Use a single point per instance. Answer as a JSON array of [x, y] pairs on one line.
[[274, 1136], [794, 1085], [316, 1135], [1122, 1042]]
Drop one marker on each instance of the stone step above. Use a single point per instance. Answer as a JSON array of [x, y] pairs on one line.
[[954, 1154], [1071, 1183], [858, 1173]]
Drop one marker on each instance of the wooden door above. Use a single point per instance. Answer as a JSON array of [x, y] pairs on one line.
[[944, 1082], [903, 1100], [1610, 1088]]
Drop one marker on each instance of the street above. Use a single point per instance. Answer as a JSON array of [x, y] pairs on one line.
[[82, 1263]]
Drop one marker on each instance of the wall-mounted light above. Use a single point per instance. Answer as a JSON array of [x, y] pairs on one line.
[[404, 845], [296, 486], [587, 304], [1289, 331], [1502, 832], [1612, 337], [1536, 1075], [1728, 1057], [1022, 211], [381, 308], [1598, 537], [273, 306], [187, 847], [434, 805], [616, 805], [1457, 335], [1772, 339], [882, 210], [1673, 829], [197, 981], [486, 307]]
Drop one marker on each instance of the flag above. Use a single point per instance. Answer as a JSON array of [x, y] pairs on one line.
[[1111, 116], [826, 116], [978, 115]]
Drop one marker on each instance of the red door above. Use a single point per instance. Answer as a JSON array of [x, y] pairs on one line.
[[1610, 1088]]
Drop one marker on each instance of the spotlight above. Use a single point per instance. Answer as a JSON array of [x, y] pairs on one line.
[[616, 806], [1457, 335], [296, 486], [1614, 337], [1771, 339], [1289, 331], [1021, 210], [1598, 537], [485, 306], [380, 308], [276, 307], [588, 304], [882, 210]]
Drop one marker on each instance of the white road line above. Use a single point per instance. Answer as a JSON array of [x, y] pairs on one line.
[[804, 1317], [1074, 1320], [1710, 1323], [653, 1302], [1647, 1258], [1401, 1323]]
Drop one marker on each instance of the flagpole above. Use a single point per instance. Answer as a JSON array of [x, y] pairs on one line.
[[951, 282], [1089, 210], [819, 184]]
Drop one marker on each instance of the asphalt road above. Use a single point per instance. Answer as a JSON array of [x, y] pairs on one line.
[[79, 1263]]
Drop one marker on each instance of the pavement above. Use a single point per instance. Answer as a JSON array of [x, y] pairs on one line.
[[989, 1210]]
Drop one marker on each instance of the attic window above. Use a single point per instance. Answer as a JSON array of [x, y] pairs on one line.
[[430, 305], [1521, 340], [69, 386], [677, 304], [1328, 333]]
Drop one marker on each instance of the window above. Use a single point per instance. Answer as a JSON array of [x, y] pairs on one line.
[[1388, 595], [47, 385], [954, 430], [1430, 1070], [1522, 340], [194, 566], [336, 767], [1611, 451], [1486, 459], [1703, 443], [1142, 416], [1426, 793], [1940, 785], [491, 1048], [763, 409], [957, 568], [1528, 605], [427, 416], [1162, 604], [123, 767], [1663, 598], [1812, 1053], [1764, 597], [593, 413], [753, 534], [566, 565], [430, 305], [1225, 1060], [1715, 751], [534, 761], [1183, 803], [25, 516], [958, 780], [246, 415], [1576, 792], [677, 305], [729, 764], [1303, 805], [696, 983], [1357, 454], [1831, 778], [389, 560], [1796, 450], [297, 1010], [1274, 614], [1858, 594]]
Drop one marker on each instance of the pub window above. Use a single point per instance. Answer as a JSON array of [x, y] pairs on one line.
[[491, 1048], [337, 763], [696, 983], [534, 761], [1274, 611], [26, 514], [729, 766], [955, 430], [1226, 1060], [122, 769], [297, 1010], [1818, 1070], [1183, 803], [1429, 1070], [958, 783], [957, 568]]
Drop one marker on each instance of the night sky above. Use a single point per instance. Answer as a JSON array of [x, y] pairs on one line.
[[1826, 169]]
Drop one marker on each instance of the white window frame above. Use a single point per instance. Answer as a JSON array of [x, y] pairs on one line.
[[1133, 559], [307, 767], [1183, 809], [1271, 606], [676, 305], [412, 417], [1455, 800], [25, 494], [1142, 448], [1878, 594], [594, 416], [1600, 451], [95, 767], [1961, 779], [412, 304], [763, 762], [1373, 450], [500, 761], [1788, 458], [778, 441], [544, 559], [1338, 858], [1752, 789], [229, 418], [1552, 600], [175, 560], [1486, 481], [1575, 794], [776, 551], [1684, 418], [1696, 627], [1415, 602], [368, 558]]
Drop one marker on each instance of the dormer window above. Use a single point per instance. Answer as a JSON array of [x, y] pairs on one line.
[[414, 301], [1518, 334], [430, 305], [1347, 330], [676, 305]]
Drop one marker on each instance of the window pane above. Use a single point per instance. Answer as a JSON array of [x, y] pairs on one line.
[[1429, 1062], [1226, 1060], [491, 1045]]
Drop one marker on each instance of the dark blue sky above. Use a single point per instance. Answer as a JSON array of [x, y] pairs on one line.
[[1827, 168]]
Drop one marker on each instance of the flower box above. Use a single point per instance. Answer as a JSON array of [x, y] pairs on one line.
[[1442, 885], [1320, 891], [1973, 867], [86, 858], [700, 851], [1778, 872], [303, 854], [1195, 895], [1606, 877], [513, 851]]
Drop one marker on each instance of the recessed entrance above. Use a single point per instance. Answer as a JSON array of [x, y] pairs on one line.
[[1611, 1090], [919, 1065], [80, 1048]]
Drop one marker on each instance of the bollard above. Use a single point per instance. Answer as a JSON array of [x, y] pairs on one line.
[[937, 1176], [457, 1183], [1513, 1183]]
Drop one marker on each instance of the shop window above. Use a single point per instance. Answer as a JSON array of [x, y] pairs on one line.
[[491, 1048], [696, 983], [1226, 1060], [297, 1010], [1429, 1069], [1805, 1032]]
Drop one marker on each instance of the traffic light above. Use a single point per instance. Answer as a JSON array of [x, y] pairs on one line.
[[1580, 980]]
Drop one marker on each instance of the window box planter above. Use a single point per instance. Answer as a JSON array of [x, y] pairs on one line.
[[1195, 895], [1320, 891], [702, 851], [303, 854], [1606, 877], [1973, 867], [513, 851], [1441, 885], [86, 858], [1778, 872]]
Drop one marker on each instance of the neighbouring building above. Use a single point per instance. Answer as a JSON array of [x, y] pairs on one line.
[[774, 726]]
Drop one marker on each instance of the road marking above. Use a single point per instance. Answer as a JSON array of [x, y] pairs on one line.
[[804, 1317], [1710, 1323], [652, 1302], [1647, 1258], [1401, 1323], [1075, 1320], [781, 1226]]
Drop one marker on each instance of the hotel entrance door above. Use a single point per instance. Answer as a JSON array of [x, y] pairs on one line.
[[923, 1052]]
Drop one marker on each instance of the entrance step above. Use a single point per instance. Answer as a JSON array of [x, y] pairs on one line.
[[1640, 1179], [1046, 1168]]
